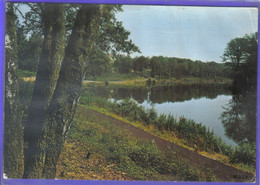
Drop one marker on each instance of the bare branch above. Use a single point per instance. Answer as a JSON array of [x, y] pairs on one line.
[[33, 8], [17, 9]]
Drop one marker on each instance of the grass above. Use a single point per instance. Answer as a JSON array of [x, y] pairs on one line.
[[26, 73], [130, 80], [97, 149], [190, 80]]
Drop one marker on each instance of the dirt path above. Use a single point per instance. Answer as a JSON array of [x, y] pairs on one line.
[[221, 171]]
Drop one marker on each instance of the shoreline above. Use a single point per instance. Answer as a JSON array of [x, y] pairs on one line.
[[149, 82], [194, 157], [160, 82], [170, 137]]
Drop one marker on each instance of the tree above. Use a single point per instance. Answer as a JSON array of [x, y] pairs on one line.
[[157, 64], [46, 79], [99, 64], [239, 117], [13, 135], [67, 93], [124, 64], [29, 51], [61, 69], [140, 63], [241, 57], [235, 53]]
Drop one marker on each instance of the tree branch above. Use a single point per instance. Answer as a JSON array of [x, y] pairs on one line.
[[17, 9], [34, 9]]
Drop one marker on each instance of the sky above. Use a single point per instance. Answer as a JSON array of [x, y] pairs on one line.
[[197, 33]]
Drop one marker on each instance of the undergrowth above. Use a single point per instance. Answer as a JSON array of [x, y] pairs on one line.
[[135, 159]]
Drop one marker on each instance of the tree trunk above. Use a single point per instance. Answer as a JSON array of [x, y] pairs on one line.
[[53, 20], [67, 93], [13, 131]]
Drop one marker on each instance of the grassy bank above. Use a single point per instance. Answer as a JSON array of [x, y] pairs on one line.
[[134, 80], [140, 81], [184, 132], [97, 149]]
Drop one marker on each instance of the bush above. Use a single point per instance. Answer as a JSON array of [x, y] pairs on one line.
[[161, 121], [152, 116], [244, 153]]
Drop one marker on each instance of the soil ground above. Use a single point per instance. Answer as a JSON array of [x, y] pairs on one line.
[[223, 172]]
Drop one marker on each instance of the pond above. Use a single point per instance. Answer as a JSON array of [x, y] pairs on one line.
[[202, 103]]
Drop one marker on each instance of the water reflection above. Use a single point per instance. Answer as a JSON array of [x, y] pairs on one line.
[[162, 94], [233, 118], [239, 118], [202, 110], [202, 103]]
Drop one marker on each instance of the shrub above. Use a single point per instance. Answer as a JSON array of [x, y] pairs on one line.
[[152, 116], [244, 153], [161, 121]]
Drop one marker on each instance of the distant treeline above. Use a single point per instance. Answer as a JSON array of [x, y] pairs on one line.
[[100, 64], [159, 67]]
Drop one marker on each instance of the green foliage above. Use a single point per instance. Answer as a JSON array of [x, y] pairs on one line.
[[140, 64], [26, 73], [123, 64], [99, 65], [240, 56], [171, 67], [140, 160], [239, 117], [113, 37], [245, 153], [166, 68], [29, 49]]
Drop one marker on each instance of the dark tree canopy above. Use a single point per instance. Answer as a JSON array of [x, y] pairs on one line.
[[241, 57], [98, 65]]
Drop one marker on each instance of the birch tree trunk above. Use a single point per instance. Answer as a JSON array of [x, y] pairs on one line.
[[13, 131], [53, 20]]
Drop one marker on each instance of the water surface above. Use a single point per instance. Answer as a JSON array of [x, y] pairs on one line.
[[202, 103]]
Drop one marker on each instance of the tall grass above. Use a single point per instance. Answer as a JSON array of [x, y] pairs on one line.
[[194, 134]]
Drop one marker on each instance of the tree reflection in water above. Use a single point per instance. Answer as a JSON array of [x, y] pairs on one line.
[[239, 118]]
